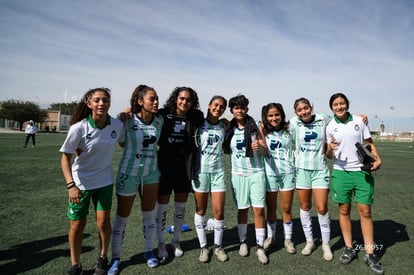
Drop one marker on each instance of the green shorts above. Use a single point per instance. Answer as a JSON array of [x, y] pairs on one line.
[[102, 200], [312, 179], [280, 183], [346, 184], [210, 182], [127, 185], [249, 190]]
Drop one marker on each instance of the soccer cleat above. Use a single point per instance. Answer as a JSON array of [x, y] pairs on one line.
[[261, 255], [75, 270], [220, 253], [374, 263], [290, 247], [152, 261], [268, 243], [204, 255], [162, 253], [244, 249], [101, 266], [327, 252], [348, 255], [178, 252], [114, 268], [309, 247]]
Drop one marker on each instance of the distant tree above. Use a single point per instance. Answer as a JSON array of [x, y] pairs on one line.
[[21, 111], [64, 108]]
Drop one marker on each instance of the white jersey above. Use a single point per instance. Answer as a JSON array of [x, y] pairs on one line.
[[140, 150], [210, 139], [347, 134], [279, 160], [92, 168], [310, 142], [240, 164]]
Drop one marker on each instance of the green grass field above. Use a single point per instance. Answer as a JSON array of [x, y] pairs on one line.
[[34, 224]]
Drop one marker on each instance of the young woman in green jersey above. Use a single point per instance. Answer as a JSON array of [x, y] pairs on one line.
[[312, 174], [246, 145], [350, 179], [138, 173], [92, 138], [211, 179], [280, 173]]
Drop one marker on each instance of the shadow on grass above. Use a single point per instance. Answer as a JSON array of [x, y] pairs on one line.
[[32, 255]]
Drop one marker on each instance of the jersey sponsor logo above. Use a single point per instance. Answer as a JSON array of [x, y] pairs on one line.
[[88, 136], [240, 144], [275, 144], [148, 140], [212, 138], [179, 126], [310, 135]]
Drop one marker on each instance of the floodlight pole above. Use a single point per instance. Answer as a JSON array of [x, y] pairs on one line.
[[392, 121]]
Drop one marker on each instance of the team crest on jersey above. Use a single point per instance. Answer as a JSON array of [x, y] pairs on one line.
[[114, 134], [356, 127], [88, 136]]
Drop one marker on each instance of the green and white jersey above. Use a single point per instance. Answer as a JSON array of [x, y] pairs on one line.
[[92, 167], [140, 150], [279, 160], [210, 139], [309, 141], [347, 134], [240, 164]]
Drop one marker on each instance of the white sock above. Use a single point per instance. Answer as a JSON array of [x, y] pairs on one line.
[[288, 229], [306, 220], [118, 234], [325, 225], [148, 227], [179, 211], [200, 229], [260, 236], [160, 219], [242, 229], [218, 231], [271, 229]]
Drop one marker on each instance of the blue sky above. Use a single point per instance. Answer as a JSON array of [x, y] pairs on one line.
[[270, 51]]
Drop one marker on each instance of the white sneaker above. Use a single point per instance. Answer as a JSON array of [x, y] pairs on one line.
[[309, 247], [268, 243], [327, 252], [244, 250], [178, 252], [290, 247], [261, 255], [162, 253], [204, 255], [221, 254]]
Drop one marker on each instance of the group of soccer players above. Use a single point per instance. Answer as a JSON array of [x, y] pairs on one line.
[[176, 148]]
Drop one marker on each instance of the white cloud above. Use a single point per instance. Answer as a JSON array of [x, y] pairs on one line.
[[268, 50]]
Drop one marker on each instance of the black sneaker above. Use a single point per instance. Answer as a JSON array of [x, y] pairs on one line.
[[75, 270], [348, 255], [101, 266], [374, 263]]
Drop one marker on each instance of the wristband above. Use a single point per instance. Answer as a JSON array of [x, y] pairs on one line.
[[72, 184]]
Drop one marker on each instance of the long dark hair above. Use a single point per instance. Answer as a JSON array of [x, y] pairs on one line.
[[267, 127], [82, 110], [171, 104], [139, 93], [211, 101]]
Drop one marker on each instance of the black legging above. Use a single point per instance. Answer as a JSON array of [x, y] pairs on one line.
[[28, 137]]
